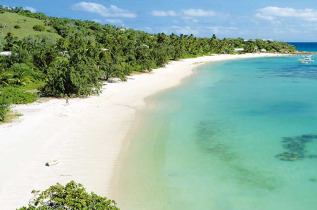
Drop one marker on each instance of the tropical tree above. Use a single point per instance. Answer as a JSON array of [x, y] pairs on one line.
[[19, 55], [43, 50], [79, 74], [10, 41], [70, 196], [22, 73]]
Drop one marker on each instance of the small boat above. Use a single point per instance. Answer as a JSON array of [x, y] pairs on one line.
[[307, 59], [52, 162], [302, 61]]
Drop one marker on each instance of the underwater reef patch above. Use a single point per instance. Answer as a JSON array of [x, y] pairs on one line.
[[295, 147]]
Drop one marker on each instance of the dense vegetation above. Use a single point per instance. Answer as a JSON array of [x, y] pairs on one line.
[[70, 196], [74, 57]]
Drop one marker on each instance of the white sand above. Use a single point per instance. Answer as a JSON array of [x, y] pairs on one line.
[[85, 136]]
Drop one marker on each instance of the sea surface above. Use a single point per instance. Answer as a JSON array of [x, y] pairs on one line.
[[237, 135], [305, 46]]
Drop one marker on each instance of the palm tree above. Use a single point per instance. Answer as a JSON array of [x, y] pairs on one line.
[[6, 78], [21, 78]]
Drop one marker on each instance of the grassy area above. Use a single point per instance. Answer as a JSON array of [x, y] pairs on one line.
[[26, 26]]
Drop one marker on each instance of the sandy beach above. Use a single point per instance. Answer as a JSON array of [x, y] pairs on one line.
[[86, 136]]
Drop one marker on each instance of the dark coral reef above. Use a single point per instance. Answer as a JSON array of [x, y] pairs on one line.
[[296, 147]]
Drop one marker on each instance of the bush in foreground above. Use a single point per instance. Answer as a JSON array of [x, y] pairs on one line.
[[4, 105], [70, 196]]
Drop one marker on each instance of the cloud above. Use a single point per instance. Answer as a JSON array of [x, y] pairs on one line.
[[274, 13], [272, 19], [161, 13], [186, 13], [190, 19], [112, 11], [31, 9], [199, 13]]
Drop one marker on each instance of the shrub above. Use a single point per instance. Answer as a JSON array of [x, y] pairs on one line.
[[22, 67], [17, 26], [4, 105], [16, 96], [39, 28], [70, 196]]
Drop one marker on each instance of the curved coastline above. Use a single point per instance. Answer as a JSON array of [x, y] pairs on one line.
[[88, 137]]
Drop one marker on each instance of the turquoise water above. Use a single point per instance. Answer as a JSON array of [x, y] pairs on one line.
[[213, 142]]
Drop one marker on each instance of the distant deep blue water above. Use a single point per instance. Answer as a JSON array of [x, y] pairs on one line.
[[220, 140], [305, 46]]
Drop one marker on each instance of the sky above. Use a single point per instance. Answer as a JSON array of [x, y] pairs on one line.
[[282, 20]]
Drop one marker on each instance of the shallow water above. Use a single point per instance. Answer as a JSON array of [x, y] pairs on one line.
[[213, 142]]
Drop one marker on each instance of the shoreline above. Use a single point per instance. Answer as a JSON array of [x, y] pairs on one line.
[[88, 137]]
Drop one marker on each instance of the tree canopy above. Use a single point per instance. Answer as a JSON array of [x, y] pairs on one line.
[[70, 196]]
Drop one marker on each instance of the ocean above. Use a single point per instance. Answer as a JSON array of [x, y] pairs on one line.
[[305, 46], [237, 135]]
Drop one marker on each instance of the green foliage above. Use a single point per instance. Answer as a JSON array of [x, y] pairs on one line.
[[2, 43], [59, 79], [10, 41], [4, 105], [43, 50], [22, 73], [16, 96], [6, 78], [39, 28], [77, 75], [19, 55], [19, 74], [70, 196]]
